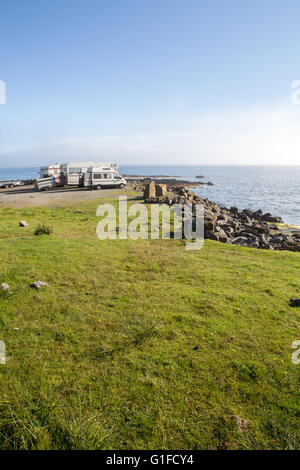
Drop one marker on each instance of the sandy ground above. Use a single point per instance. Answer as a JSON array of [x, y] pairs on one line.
[[24, 197]]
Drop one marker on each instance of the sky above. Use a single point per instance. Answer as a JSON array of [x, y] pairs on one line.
[[150, 81]]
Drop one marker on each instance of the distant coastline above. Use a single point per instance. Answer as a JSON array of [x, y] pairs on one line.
[[274, 189]]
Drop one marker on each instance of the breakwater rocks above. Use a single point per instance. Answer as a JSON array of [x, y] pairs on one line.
[[245, 228]]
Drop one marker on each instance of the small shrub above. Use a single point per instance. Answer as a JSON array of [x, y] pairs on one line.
[[43, 230]]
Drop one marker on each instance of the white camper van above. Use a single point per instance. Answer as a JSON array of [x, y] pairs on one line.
[[73, 172], [102, 177]]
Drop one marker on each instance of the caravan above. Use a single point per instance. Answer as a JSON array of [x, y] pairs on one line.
[[102, 177], [50, 170], [73, 172]]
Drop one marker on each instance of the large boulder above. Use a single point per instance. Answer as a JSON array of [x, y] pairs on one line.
[[212, 235], [228, 230], [269, 218], [292, 245], [210, 220], [180, 190], [222, 236], [150, 190], [161, 189]]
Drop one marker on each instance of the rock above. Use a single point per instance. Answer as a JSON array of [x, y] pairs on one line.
[[228, 229], [253, 240], [294, 302], [258, 214], [161, 189], [269, 218], [293, 246], [248, 213], [150, 191], [245, 233], [245, 218], [4, 286], [222, 236], [244, 228], [209, 221], [180, 190], [190, 195], [222, 219], [152, 200], [243, 241], [39, 285], [259, 228], [241, 423], [22, 223], [212, 236], [263, 239]]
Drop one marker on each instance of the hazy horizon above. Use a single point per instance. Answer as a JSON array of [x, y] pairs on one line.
[[159, 165]]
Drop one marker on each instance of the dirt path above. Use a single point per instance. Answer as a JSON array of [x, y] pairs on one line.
[[24, 197]]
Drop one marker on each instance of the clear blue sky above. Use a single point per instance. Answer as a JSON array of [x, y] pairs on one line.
[[149, 81]]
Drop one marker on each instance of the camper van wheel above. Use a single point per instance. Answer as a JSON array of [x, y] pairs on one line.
[[98, 187], [121, 185]]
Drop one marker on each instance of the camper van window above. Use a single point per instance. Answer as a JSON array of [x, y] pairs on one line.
[[117, 177], [107, 176], [97, 176], [75, 170]]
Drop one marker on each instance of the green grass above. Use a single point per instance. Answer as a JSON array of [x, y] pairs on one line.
[[128, 347]]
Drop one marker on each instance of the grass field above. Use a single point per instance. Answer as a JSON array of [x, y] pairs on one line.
[[142, 344]]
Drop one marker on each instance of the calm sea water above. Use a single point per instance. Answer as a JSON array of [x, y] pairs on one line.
[[274, 189]]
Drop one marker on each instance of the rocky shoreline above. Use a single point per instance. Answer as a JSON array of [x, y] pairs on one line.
[[229, 225]]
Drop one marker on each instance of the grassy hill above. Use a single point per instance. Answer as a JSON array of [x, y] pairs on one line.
[[142, 344]]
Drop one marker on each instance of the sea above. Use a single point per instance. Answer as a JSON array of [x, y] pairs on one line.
[[274, 189]]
